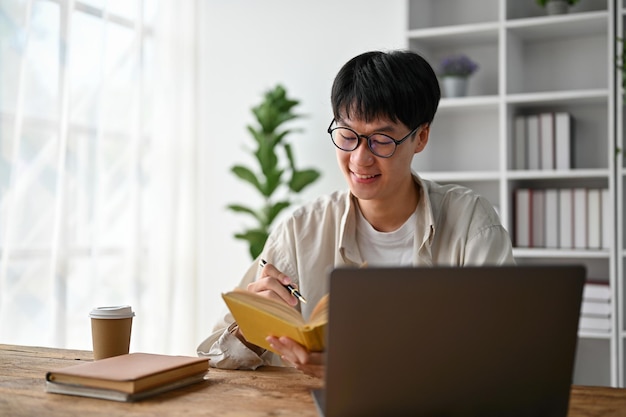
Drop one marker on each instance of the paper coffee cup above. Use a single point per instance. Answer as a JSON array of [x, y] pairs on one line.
[[110, 330]]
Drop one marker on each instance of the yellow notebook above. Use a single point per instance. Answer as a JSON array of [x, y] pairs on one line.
[[259, 317]]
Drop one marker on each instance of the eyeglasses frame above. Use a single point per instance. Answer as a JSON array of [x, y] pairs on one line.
[[367, 138]]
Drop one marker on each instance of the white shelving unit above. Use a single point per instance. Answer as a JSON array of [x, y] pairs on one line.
[[531, 63]]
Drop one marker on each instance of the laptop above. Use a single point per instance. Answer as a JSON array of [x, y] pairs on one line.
[[450, 341]]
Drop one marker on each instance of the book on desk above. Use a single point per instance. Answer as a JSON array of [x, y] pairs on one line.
[[129, 377]]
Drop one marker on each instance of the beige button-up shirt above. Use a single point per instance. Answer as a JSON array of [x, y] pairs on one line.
[[455, 227]]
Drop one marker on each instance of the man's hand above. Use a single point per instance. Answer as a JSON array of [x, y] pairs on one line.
[[311, 363], [271, 284]]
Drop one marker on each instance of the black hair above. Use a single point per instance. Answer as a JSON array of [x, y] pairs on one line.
[[397, 85]]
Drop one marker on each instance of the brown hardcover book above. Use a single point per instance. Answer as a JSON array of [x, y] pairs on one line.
[[133, 373], [259, 317], [110, 394]]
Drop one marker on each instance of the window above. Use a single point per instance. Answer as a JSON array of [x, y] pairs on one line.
[[81, 167]]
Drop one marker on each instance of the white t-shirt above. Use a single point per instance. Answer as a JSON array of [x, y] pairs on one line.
[[386, 248]]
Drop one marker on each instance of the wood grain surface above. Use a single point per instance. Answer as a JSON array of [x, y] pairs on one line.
[[269, 391]]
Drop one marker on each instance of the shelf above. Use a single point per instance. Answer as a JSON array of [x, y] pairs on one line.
[[461, 176], [469, 103], [464, 176], [455, 35], [593, 335], [533, 28], [564, 26], [547, 174], [570, 97], [561, 253]]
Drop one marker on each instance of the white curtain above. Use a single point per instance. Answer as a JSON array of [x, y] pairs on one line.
[[98, 170], [173, 256]]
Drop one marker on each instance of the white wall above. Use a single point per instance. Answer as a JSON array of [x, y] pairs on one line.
[[247, 47]]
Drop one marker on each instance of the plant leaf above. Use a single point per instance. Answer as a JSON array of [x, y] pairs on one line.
[[247, 175], [266, 155], [275, 209], [243, 209], [258, 135], [256, 239], [273, 181], [301, 179], [290, 157], [275, 109], [279, 136]]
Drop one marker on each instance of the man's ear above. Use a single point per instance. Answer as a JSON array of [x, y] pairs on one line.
[[422, 138]]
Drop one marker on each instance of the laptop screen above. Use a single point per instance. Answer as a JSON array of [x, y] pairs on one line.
[[452, 341]]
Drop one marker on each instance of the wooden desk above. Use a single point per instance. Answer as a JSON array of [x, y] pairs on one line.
[[264, 392]]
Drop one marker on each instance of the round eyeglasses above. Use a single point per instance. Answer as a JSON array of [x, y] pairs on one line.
[[380, 144]]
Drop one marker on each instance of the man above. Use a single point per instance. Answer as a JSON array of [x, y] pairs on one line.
[[383, 106]]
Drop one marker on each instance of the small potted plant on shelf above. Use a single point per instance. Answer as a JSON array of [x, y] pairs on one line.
[[556, 6], [454, 71]]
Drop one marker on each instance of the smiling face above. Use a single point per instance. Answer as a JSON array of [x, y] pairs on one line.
[[390, 93], [381, 182]]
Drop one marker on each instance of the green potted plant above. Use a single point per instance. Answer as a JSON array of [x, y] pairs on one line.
[[276, 177], [454, 71], [556, 6]]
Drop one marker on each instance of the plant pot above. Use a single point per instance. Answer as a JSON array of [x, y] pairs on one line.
[[554, 7], [455, 86]]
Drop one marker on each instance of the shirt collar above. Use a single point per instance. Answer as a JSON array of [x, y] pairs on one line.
[[425, 222]]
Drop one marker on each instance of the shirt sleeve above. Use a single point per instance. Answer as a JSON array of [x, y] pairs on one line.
[[223, 348], [491, 246], [226, 351]]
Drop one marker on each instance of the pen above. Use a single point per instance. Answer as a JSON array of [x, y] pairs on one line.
[[290, 287]]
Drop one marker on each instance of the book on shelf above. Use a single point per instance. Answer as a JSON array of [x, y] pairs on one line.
[[542, 141], [580, 218], [562, 139], [595, 324], [129, 377], [595, 308], [537, 219], [594, 218], [522, 217], [546, 139], [566, 219], [597, 290], [259, 317], [551, 198], [519, 138], [607, 218], [533, 140]]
